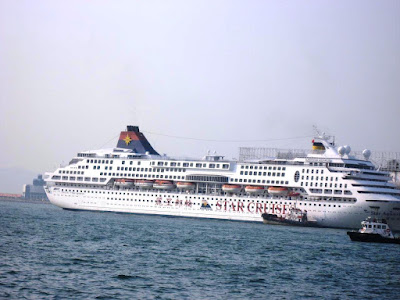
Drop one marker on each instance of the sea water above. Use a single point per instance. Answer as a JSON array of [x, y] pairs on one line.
[[50, 253]]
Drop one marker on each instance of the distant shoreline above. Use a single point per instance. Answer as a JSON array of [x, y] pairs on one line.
[[22, 200]]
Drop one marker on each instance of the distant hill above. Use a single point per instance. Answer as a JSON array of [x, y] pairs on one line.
[[13, 179]]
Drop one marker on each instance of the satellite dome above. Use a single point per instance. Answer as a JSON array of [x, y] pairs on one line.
[[341, 150], [366, 153], [347, 149]]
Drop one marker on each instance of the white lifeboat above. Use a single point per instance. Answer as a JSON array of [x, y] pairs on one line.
[[124, 182], [252, 189], [231, 188], [185, 185], [144, 184], [163, 185], [278, 190]]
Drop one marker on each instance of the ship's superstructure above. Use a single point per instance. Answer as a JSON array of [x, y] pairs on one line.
[[336, 189]]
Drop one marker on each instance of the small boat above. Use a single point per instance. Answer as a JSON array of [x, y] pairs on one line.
[[295, 217], [231, 188], [124, 182], [144, 184], [163, 185], [185, 185], [278, 190], [293, 194], [252, 189], [374, 231]]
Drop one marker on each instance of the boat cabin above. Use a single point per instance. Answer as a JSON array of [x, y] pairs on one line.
[[376, 226]]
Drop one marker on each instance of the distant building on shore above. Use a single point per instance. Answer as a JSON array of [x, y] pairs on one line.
[[35, 191], [4, 196]]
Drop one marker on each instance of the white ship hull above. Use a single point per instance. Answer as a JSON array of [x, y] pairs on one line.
[[218, 207], [336, 189]]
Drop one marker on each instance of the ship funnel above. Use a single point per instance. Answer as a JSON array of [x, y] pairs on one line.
[[135, 140]]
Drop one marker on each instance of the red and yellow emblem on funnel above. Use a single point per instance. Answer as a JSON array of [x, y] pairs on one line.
[[127, 139]]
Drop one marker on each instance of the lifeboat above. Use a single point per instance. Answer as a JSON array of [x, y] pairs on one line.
[[294, 194], [144, 184], [124, 182], [231, 188], [278, 191], [185, 185], [251, 189], [163, 185]]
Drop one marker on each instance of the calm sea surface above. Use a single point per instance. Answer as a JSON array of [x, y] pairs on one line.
[[50, 253]]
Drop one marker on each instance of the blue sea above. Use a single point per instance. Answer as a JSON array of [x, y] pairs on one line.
[[50, 253]]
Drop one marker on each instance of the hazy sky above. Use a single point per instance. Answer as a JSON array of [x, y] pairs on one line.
[[73, 74]]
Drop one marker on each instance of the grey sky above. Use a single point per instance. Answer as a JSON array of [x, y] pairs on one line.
[[73, 74]]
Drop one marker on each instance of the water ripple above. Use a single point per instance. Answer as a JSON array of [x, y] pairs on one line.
[[48, 253]]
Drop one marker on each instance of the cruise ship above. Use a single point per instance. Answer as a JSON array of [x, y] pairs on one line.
[[333, 187]]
